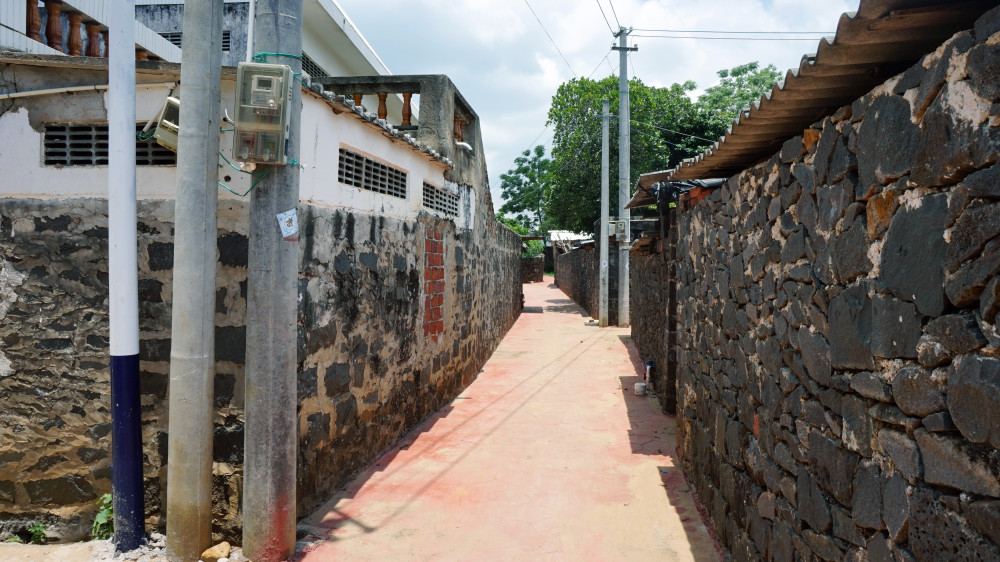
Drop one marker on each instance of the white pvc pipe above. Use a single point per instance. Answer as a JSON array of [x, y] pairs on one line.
[[250, 18], [123, 268], [66, 89]]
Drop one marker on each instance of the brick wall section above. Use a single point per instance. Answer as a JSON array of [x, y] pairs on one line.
[[838, 338], [434, 252]]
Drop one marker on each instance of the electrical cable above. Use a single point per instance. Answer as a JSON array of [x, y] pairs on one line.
[[253, 185], [614, 13], [734, 32], [668, 130], [575, 75], [729, 38], [605, 17]]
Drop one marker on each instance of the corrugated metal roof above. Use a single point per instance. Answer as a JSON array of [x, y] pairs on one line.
[[880, 40]]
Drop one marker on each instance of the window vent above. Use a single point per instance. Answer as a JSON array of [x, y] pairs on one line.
[[87, 145], [440, 200], [361, 171], [172, 36], [176, 37], [310, 67]]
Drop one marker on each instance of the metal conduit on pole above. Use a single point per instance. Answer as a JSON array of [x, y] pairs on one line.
[[624, 163], [602, 304], [271, 438], [192, 348], [123, 284]]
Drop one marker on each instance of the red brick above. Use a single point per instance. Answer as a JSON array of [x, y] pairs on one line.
[[435, 260], [429, 245], [437, 300], [435, 314]]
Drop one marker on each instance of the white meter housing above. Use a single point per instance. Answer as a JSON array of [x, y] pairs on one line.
[[168, 124], [263, 103]]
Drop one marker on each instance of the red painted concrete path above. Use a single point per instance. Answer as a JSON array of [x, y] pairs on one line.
[[548, 455]]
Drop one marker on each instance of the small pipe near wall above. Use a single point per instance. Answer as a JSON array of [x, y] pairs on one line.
[[88, 88], [123, 284]]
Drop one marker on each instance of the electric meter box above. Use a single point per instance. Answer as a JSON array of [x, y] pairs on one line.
[[263, 104], [168, 124]]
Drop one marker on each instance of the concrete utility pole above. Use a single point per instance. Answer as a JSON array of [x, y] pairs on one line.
[[192, 330], [624, 159], [602, 300], [123, 284], [271, 437]]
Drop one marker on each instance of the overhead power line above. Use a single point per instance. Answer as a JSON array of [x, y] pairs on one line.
[[605, 17], [715, 31], [671, 131], [729, 38], [550, 39], [612, 4]]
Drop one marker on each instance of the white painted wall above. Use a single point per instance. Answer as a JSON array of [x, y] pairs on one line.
[[323, 133]]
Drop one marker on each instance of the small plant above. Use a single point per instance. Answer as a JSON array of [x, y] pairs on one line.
[[104, 522], [37, 531], [15, 538]]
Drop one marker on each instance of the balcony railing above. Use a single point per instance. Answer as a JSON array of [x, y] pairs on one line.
[[56, 15]]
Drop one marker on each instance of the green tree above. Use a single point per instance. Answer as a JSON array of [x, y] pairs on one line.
[[524, 188], [738, 87], [660, 117], [666, 127], [529, 248]]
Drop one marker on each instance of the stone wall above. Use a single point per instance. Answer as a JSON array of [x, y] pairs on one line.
[[367, 370], [648, 310], [838, 368], [533, 269], [577, 274]]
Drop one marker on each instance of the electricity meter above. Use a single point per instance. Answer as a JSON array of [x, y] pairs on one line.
[[168, 124], [263, 103]]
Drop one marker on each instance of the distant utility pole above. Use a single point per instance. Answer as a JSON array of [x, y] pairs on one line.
[[270, 436], [602, 305], [624, 159], [123, 284], [192, 331]]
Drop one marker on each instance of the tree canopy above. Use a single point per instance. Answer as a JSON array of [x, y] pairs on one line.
[[523, 188], [666, 127]]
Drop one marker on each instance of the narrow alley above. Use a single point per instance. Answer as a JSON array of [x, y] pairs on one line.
[[548, 455]]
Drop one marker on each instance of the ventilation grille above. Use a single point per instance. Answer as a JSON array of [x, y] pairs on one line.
[[361, 171], [440, 200], [87, 145], [310, 67], [172, 36], [176, 37]]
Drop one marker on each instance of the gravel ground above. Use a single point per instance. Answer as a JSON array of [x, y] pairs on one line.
[[103, 551]]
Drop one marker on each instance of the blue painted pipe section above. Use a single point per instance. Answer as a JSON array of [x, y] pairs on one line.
[[126, 453]]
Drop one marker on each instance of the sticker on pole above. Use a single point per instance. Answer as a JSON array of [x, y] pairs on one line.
[[289, 223]]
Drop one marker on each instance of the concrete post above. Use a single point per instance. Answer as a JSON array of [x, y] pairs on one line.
[[123, 285], [624, 162], [271, 438], [192, 335], [602, 301]]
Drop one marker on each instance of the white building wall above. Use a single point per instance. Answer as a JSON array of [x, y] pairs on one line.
[[323, 133]]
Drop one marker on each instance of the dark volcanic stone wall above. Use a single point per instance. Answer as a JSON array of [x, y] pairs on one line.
[[367, 372], [648, 301], [838, 370], [533, 269], [577, 274]]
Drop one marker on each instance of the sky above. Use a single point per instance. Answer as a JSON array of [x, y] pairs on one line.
[[500, 58]]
